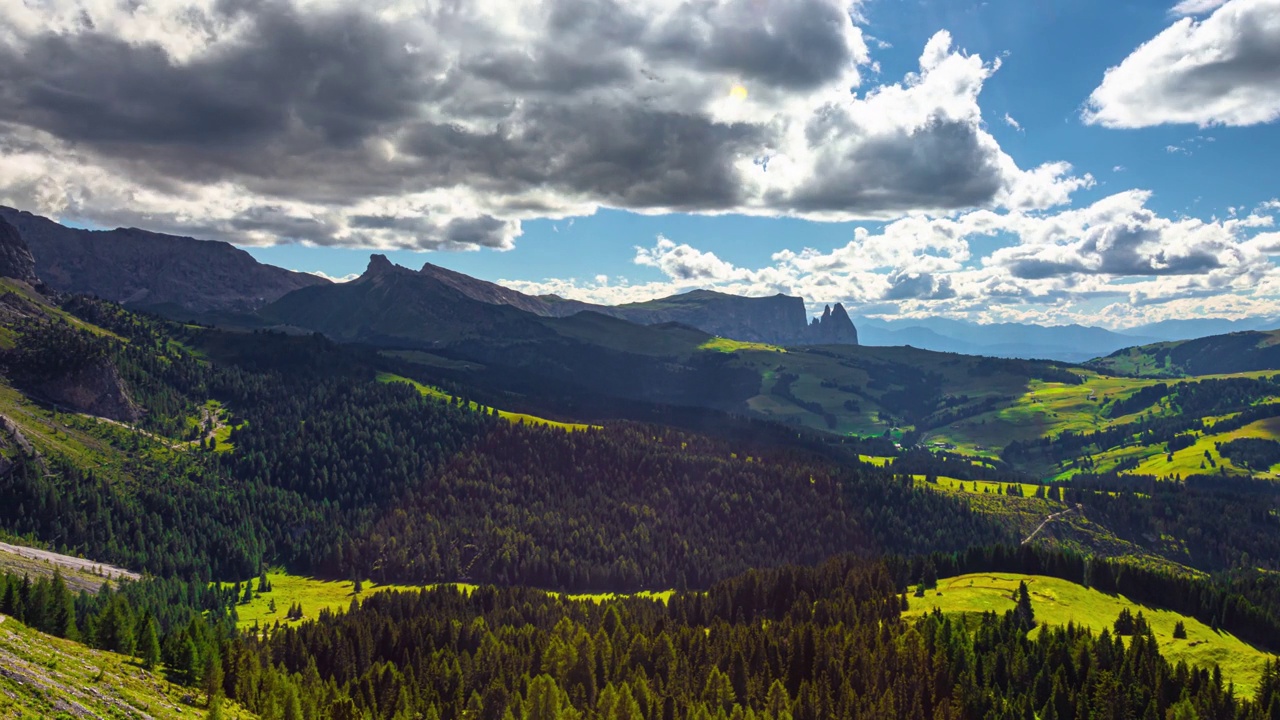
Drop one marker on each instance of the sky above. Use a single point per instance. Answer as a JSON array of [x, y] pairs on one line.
[[1051, 161]]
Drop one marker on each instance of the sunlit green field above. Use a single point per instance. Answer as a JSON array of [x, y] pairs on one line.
[[981, 487], [439, 394], [1189, 460], [1057, 602], [313, 594], [1048, 409], [719, 344], [316, 595]]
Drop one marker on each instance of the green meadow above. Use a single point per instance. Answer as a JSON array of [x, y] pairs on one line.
[[315, 595], [1058, 602]]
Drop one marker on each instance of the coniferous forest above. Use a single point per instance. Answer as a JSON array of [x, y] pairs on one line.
[[789, 558]]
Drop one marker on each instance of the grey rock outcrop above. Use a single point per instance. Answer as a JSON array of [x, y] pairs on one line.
[[16, 260]]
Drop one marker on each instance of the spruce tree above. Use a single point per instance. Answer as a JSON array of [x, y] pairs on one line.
[[1025, 615], [148, 642]]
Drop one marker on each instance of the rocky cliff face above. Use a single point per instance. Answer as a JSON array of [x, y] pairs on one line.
[[834, 328], [779, 319], [95, 389], [15, 257], [164, 273]]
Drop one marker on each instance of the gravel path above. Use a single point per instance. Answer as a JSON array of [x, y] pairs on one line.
[[1051, 518], [67, 561]]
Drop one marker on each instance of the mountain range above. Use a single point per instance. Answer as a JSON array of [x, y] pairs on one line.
[[192, 279], [166, 274]]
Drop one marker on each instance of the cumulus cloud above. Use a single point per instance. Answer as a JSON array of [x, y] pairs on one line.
[[1115, 251], [1195, 7], [683, 263], [390, 124], [1119, 236], [1222, 70]]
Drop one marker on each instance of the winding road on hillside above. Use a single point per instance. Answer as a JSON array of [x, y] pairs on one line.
[[1050, 519], [69, 562]]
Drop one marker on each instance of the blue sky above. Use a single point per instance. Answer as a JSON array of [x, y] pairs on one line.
[[1035, 160]]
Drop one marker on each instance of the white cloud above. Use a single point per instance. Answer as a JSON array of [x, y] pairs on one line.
[[1223, 70], [684, 263], [1008, 120], [1049, 266], [331, 278], [1196, 7]]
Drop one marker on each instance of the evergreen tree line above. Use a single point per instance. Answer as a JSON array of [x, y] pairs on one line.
[[796, 643], [182, 625], [1224, 522]]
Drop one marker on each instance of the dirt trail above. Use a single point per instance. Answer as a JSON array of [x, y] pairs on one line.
[[217, 423], [1050, 519], [69, 562]]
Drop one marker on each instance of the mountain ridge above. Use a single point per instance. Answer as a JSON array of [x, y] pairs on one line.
[[152, 271]]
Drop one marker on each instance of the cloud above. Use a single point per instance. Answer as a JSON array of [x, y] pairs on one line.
[[1223, 70], [682, 263], [1054, 267], [1119, 236], [1008, 120], [1196, 7], [918, 145], [391, 124], [331, 278]]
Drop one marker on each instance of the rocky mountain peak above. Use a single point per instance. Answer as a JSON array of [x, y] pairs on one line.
[[379, 263], [835, 327], [15, 257]]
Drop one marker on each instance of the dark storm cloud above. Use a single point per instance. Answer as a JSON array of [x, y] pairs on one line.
[[338, 123], [551, 70], [944, 165], [335, 76], [626, 156], [788, 44]]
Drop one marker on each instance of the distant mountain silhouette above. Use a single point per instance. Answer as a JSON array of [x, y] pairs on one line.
[[180, 276]]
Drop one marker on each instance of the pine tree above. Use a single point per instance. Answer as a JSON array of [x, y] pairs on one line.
[[148, 642], [1025, 615], [115, 626], [62, 611], [187, 670], [215, 708]]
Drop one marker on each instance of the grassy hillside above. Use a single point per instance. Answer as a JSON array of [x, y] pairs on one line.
[[1058, 602], [47, 677], [1234, 352], [514, 417]]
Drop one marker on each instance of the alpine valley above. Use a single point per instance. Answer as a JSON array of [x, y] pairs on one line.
[[234, 490]]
